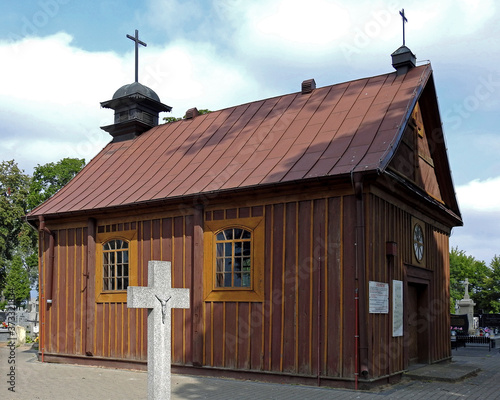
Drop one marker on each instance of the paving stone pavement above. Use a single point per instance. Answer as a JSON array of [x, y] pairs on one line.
[[34, 380]]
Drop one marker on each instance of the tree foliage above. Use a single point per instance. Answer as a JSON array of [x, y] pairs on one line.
[[20, 193], [49, 178], [14, 186], [490, 297], [484, 281], [175, 119], [17, 282]]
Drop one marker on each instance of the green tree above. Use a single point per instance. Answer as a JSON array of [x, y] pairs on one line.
[[175, 119], [20, 193], [463, 266], [46, 181], [17, 282], [49, 178], [13, 193], [490, 297]]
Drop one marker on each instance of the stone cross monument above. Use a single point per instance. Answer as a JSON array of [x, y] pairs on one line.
[[159, 298], [466, 306]]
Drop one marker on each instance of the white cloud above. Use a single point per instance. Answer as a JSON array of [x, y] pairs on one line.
[[480, 206], [50, 92], [479, 236], [480, 195], [295, 21]]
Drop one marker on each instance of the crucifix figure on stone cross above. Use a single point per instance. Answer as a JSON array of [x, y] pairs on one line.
[[466, 282], [137, 43], [402, 13], [159, 298]]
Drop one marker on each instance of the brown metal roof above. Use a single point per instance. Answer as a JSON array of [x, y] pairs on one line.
[[333, 130]]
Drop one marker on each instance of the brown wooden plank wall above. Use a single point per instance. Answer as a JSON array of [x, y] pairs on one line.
[[439, 307], [310, 256], [63, 325], [291, 331], [117, 332], [385, 223], [388, 222]]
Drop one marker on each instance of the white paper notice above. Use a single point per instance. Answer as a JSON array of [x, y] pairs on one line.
[[397, 308], [379, 298]]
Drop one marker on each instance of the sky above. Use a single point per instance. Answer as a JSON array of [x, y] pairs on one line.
[[60, 58]]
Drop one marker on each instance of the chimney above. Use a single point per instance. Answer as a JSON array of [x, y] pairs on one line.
[[192, 112], [308, 86], [403, 60]]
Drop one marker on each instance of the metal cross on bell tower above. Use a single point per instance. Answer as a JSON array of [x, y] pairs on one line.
[[137, 43], [402, 13]]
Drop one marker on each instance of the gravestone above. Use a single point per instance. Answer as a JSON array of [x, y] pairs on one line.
[[490, 320], [459, 323], [159, 298]]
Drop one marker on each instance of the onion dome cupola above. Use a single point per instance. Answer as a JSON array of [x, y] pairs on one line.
[[136, 106]]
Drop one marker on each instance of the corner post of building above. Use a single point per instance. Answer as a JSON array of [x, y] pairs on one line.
[[48, 282], [46, 271], [357, 181]]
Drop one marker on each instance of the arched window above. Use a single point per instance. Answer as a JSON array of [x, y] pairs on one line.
[[115, 265], [233, 258]]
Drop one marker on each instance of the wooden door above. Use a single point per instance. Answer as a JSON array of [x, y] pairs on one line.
[[413, 319]]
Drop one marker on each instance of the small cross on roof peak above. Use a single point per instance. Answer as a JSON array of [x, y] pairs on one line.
[[137, 43]]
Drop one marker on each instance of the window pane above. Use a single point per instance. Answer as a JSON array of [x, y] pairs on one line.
[[124, 244], [237, 249], [237, 233], [237, 280], [246, 235], [119, 257], [125, 270], [125, 282], [220, 265], [221, 236], [227, 265], [219, 280], [246, 279], [227, 280], [237, 264], [229, 234], [228, 249], [220, 250], [119, 270], [246, 248], [246, 263]]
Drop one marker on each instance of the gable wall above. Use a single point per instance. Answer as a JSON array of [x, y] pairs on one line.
[[392, 221]]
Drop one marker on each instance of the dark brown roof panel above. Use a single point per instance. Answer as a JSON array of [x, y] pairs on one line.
[[338, 129]]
